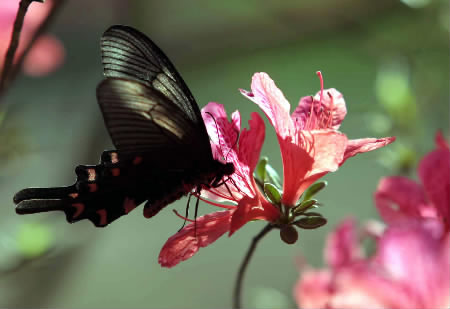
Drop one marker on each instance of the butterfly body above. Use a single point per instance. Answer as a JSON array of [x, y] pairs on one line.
[[163, 149]]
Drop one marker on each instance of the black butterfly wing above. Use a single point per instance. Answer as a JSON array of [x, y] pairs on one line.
[[141, 119], [129, 54], [156, 126]]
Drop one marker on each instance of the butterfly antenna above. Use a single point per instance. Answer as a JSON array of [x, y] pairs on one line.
[[235, 143]]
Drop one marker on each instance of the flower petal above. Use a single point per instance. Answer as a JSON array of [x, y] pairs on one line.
[[434, 172], [333, 103], [250, 209], [440, 141], [342, 245], [408, 252], [313, 290], [311, 156], [272, 101], [251, 141], [184, 244], [46, 55], [356, 146], [400, 199]]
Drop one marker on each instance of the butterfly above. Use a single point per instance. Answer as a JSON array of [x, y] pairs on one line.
[[162, 151]]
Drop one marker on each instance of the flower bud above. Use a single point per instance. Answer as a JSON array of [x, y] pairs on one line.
[[289, 234]]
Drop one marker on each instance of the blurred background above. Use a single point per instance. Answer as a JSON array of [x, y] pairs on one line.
[[390, 59]]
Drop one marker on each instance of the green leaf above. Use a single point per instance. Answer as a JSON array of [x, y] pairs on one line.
[[311, 222], [272, 193], [303, 206], [314, 189]]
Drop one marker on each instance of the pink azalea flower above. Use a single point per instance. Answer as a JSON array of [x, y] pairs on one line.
[[248, 202], [411, 266], [410, 269], [47, 54], [400, 198], [310, 143]]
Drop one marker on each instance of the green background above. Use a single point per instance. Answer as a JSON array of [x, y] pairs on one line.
[[390, 59]]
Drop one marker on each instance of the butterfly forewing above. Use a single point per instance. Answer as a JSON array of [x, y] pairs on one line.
[[139, 118], [129, 54]]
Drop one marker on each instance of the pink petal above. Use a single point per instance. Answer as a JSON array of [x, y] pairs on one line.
[[243, 155], [46, 56], [411, 257], [400, 199], [440, 141], [308, 158], [356, 146], [342, 246], [251, 141], [272, 101], [184, 244], [250, 209], [313, 289], [333, 103], [434, 172]]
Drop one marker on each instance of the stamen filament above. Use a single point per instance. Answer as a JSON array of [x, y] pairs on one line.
[[216, 204]]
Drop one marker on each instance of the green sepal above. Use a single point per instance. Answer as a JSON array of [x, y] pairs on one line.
[[272, 193], [314, 189], [311, 222], [272, 176], [260, 170], [303, 206]]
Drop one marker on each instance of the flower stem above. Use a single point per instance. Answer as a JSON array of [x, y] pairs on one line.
[[10, 69], [238, 285], [14, 43]]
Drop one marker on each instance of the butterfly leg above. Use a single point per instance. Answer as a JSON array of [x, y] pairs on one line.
[[187, 212]]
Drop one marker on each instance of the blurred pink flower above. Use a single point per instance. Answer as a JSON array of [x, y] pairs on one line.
[[399, 198], [47, 54], [248, 202], [411, 265], [310, 143]]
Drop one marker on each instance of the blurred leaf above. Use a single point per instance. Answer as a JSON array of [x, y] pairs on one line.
[[34, 239], [265, 297]]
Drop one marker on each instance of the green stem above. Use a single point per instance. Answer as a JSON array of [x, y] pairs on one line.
[[239, 279]]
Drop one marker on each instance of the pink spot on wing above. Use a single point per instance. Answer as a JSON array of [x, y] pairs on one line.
[[137, 160], [93, 187], [79, 209], [91, 174], [115, 171], [103, 219], [129, 205], [73, 195], [114, 157]]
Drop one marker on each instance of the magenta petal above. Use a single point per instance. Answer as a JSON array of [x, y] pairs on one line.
[[434, 172], [313, 290], [356, 146], [399, 199], [412, 258], [333, 103], [184, 244], [251, 141], [342, 245]]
